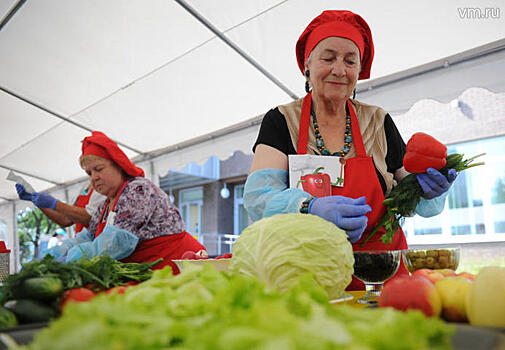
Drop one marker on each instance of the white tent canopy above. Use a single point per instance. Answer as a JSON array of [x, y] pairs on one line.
[[151, 75], [160, 75]]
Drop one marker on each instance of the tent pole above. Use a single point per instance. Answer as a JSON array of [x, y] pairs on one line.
[[15, 240], [11, 13], [236, 48], [68, 120]]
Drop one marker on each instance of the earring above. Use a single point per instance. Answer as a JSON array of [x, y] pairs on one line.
[[307, 86]]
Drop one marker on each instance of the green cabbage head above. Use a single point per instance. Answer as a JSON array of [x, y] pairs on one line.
[[278, 249]]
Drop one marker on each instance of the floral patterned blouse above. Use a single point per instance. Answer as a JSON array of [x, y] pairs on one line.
[[144, 210]]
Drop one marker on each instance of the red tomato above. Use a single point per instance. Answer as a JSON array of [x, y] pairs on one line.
[[224, 256], [77, 295], [116, 290]]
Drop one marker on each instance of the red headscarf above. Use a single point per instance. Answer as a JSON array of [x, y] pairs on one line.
[[100, 145], [345, 24]]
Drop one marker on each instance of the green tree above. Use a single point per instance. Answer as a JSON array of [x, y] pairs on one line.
[[32, 225]]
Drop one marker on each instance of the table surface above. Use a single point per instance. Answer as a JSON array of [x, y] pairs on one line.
[[354, 302]]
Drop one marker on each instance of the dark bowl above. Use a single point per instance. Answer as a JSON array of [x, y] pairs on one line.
[[376, 266]]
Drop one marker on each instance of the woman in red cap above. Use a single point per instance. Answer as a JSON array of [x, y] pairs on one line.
[[137, 222], [358, 144]]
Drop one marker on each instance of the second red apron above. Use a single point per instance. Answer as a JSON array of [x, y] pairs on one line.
[[168, 247]]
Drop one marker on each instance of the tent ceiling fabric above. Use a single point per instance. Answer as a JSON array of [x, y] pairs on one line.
[[150, 75], [438, 80]]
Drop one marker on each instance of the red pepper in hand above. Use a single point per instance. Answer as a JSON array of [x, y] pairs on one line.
[[423, 152], [316, 184]]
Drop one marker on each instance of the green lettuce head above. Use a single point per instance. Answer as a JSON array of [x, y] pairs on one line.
[[278, 249]]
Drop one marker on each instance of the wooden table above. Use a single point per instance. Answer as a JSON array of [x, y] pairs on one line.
[[354, 302]]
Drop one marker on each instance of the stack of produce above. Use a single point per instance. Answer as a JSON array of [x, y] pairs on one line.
[[202, 308], [275, 296], [37, 293], [460, 297]]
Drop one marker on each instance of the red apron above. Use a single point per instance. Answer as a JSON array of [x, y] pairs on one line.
[[360, 180], [81, 202], [168, 247]]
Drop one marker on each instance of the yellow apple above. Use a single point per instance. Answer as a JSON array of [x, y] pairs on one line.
[[485, 302], [453, 291]]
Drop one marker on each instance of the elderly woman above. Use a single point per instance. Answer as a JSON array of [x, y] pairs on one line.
[[137, 222], [334, 51]]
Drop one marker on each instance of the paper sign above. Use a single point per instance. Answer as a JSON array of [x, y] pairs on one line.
[[18, 179]]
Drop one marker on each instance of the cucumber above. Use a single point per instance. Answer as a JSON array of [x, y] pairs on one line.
[[30, 311], [7, 318], [41, 288]]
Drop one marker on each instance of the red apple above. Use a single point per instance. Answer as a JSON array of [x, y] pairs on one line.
[[467, 275], [431, 275], [412, 292]]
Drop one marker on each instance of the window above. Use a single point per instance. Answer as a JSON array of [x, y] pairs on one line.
[[241, 219], [475, 207], [190, 205]]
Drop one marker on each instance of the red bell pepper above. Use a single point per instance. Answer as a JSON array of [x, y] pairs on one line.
[[316, 184], [423, 152]]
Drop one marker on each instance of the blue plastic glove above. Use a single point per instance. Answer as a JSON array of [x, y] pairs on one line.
[[434, 183], [266, 193], [115, 242], [347, 213], [44, 200], [59, 252], [22, 193]]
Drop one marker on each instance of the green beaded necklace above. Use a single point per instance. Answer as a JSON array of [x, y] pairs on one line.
[[347, 136]]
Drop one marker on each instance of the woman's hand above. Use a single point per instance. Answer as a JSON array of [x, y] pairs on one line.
[[347, 213], [434, 183], [22, 193], [44, 200]]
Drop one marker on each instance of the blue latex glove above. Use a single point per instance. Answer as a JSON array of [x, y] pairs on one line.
[[434, 183], [347, 213], [22, 193], [59, 252], [44, 200], [115, 242]]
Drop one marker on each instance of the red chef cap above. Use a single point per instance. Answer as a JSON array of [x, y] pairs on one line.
[[100, 145], [345, 24]]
